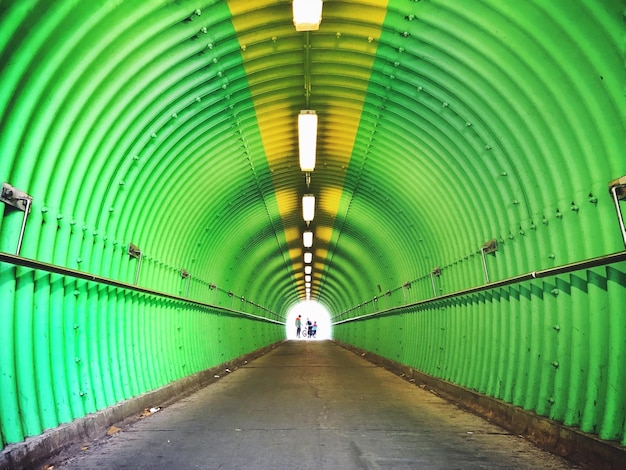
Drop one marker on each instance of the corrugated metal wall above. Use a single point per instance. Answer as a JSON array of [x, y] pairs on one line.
[[69, 347], [554, 346], [443, 124]]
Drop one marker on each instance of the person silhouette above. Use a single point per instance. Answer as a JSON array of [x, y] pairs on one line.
[[298, 326]]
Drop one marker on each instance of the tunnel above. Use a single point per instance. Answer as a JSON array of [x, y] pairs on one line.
[[467, 189]]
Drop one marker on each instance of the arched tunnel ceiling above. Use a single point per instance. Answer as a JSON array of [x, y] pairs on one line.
[[442, 124]]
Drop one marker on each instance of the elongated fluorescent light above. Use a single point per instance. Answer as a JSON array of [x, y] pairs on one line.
[[307, 239], [307, 278], [308, 257], [308, 207], [307, 285], [307, 139], [307, 14], [308, 269]]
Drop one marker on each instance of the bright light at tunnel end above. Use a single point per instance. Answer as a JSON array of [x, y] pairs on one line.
[[315, 312]]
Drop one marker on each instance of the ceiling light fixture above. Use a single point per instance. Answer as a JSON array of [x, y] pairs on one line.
[[307, 139], [307, 278], [307, 239], [308, 207], [308, 257], [308, 269], [307, 14]]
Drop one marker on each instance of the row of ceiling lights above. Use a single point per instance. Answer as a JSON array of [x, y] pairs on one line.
[[307, 137], [307, 16]]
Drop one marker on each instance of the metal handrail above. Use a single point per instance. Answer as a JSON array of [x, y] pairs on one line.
[[566, 268], [52, 268]]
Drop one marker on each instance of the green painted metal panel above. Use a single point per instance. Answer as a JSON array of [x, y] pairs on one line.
[[554, 347], [443, 124], [133, 336]]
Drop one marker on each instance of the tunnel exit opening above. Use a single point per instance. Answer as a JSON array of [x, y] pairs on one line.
[[316, 313]]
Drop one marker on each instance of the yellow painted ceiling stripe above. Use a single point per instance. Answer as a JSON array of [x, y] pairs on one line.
[[264, 32]]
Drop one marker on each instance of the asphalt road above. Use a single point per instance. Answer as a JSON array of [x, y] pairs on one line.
[[310, 405]]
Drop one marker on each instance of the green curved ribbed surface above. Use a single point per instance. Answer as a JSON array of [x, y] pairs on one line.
[[443, 124]]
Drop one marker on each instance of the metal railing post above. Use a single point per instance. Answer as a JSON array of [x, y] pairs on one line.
[[616, 199], [20, 201]]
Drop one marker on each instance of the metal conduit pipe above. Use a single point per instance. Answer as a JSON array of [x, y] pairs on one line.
[[307, 71], [50, 268], [567, 268]]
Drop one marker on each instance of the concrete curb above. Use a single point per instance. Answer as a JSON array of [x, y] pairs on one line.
[[574, 445], [35, 450]]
